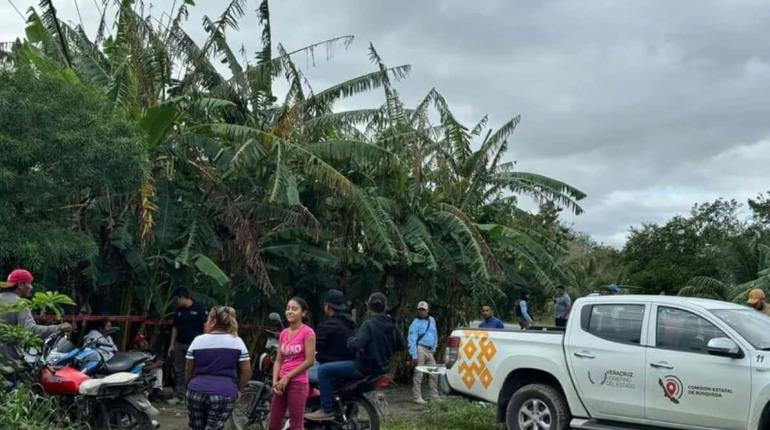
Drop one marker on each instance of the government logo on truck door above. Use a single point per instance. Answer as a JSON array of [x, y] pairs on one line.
[[476, 352]]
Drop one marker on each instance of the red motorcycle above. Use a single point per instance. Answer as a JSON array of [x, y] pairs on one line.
[[117, 401]]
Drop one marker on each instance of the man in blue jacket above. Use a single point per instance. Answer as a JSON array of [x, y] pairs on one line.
[[423, 340]]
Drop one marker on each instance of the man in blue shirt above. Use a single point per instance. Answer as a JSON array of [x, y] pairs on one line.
[[423, 340], [489, 318]]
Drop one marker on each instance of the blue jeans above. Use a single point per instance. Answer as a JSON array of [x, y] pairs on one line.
[[329, 374], [312, 373]]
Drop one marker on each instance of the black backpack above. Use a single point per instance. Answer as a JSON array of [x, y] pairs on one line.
[[518, 308]]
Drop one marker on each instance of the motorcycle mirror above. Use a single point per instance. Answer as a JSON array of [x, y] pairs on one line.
[[275, 318]]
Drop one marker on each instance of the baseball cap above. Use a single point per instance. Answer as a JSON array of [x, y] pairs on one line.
[[613, 288], [756, 295], [182, 292], [423, 305], [18, 276], [377, 302], [336, 300]]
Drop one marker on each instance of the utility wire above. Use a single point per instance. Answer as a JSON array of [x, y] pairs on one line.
[[80, 17], [17, 10]]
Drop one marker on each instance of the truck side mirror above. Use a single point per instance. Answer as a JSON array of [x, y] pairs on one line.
[[724, 347]]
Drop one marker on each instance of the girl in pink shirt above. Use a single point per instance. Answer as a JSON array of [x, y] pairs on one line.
[[296, 355]]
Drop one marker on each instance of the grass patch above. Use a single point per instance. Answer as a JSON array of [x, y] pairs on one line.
[[448, 415]]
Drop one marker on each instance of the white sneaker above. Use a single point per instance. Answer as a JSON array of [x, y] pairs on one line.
[[420, 401]]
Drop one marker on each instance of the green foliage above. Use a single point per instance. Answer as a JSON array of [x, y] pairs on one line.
[[24, 410], [220, 185], [664, 257], [51, 302], [62, 150], [449, 415]]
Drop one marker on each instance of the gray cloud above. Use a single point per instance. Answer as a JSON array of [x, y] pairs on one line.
[[648, 106]]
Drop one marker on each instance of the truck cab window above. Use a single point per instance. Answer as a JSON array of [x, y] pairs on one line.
[[681, 330], [621, 323]]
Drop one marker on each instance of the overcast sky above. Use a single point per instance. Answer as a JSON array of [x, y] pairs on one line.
[[647, 106]]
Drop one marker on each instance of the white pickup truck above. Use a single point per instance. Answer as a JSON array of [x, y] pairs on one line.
[[623, 362]]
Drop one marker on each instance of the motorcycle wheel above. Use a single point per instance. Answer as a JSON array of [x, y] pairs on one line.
[[124, 416], [252, 410], [361, 413]]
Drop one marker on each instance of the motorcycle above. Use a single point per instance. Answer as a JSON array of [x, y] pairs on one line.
[[354, 408], [90, 358], [253, 408], [116, 401]]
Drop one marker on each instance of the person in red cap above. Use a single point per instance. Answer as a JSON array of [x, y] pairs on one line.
[[19, 286]]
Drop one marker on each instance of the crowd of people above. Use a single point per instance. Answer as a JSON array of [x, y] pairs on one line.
[[212, 364]]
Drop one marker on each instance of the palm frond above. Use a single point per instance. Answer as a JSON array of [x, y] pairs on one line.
[[219, 42], [357, 85], [448, 221], [541, 187], [360, 153], [375, 230], [228, 19], [339, 119], [417, 235], [706, 287], [476, 130], [52, 23]]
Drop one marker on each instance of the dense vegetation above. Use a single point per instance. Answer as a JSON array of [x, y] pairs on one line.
[[137, 161], [133, 165]]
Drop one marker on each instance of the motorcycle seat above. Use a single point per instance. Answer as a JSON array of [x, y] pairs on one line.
[[365, 384], [124, 361], [91, 386]]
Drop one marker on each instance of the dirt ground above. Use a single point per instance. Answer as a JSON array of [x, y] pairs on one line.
[[398, 403]]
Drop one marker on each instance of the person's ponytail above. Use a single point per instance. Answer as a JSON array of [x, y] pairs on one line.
[[224, 319]]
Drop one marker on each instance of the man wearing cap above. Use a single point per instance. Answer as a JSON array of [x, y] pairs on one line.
[[613, 290], [373, 345], [19, 286], [332, 334], [757, 301], [423, 340]]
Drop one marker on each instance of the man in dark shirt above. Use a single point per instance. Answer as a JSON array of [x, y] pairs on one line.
[[332, 334], [188, 323], [373, 345]]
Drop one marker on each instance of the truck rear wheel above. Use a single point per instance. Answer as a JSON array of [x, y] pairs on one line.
[[537, 407]]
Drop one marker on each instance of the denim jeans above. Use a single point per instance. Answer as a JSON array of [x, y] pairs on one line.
[[312, 373], [330, 375]]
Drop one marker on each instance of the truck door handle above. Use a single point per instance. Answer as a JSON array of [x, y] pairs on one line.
[[584, 354], [661, 365]]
